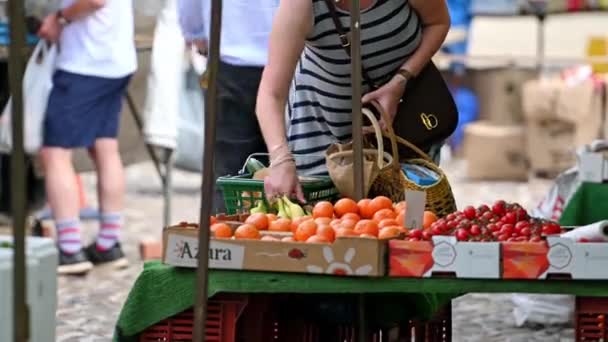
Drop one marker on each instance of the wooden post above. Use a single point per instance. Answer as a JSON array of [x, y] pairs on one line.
[[18, 184], [355, 52], [200, 306]]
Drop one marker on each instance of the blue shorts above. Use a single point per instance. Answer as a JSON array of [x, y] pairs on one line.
[[82, 109]]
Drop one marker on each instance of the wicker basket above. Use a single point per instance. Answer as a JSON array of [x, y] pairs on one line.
[[439, 196]]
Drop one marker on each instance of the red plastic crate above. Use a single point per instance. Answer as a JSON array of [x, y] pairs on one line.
[[590, 319], [260, 323], [222, 315]]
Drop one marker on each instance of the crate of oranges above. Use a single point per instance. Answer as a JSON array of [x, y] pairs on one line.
[[341, 238]]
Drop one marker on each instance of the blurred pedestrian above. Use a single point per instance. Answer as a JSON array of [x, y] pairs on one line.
[[96, 60], [246, 26]]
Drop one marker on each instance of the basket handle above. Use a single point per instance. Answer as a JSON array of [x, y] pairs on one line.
[[415, 149], [388, 133], [378, 132]]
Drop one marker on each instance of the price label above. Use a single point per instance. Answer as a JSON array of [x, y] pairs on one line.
[[416, 203]]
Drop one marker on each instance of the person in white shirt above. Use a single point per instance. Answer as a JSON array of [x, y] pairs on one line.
[[245, 31], [95, 62]]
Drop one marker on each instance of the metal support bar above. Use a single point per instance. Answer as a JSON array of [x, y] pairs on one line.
[[16, 68], [202, 273], [355, 52]]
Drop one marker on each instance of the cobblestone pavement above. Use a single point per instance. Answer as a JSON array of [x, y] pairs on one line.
[[89, 307]]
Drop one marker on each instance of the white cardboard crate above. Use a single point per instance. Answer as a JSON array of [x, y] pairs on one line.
[[42, 261]]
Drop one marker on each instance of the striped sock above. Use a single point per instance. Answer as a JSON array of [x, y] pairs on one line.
[[68, 235], [108, 233]]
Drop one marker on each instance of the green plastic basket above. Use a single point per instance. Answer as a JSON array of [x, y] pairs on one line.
[[241, 193]]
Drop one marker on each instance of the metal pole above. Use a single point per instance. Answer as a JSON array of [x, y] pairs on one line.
[[200, 306], [355, 52], [18, 185]]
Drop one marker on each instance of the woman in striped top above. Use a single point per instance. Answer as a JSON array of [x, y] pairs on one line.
[[304, 99]]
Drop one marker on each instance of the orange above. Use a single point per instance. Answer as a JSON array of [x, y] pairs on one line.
[[401, 206], [296, 222], [351, 216], [288, 239], [379, 203], [428, 219], [345, 206], [323, 209], [271, 217], [401, 218], [259, 220], [323, 221], [344, 232], [383, 214], [335, 224], [221, 231], [327, 233], [280, 225], [367, 236], [366, 227], [305, 230], [365, 208], [348, 224], [316, 239], [247, 231], [389, 232], [269, 238], [388, 223]]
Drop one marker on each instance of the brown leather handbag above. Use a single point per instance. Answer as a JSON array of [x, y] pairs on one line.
[[427, 114]]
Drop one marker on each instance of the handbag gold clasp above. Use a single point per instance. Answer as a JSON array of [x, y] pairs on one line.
[[429, 121]]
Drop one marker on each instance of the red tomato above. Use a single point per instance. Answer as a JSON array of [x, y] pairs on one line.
[[475, 230], [462, 234], [470, 212]]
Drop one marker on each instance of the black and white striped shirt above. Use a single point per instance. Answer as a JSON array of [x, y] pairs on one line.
[[319, 104]]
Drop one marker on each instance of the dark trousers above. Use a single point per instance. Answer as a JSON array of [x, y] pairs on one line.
[[238, 134]]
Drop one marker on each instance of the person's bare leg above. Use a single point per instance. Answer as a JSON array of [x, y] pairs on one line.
[[110, 192], [62, 195], [110, 175]]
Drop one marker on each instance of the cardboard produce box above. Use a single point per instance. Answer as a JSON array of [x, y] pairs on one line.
[[495, 152], [345, 257], [582, 104], [444, 256], [540, 98], [550, 145], [500, 94], [556, 258]]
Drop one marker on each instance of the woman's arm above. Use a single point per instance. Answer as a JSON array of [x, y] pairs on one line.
[[190, 14], [435, 20], [292, 23]]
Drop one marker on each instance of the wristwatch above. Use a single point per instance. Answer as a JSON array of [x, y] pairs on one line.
[[63, 21]]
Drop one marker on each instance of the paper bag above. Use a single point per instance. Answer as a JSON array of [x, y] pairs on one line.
[[340, 165]]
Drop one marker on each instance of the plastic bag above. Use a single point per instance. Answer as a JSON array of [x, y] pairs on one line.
[[190, 125], [37, 85], [542, 309]]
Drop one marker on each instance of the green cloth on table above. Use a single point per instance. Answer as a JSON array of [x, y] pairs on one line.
[[162, 291], [588, 205]]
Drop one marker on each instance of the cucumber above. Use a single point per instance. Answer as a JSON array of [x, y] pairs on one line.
[[254, 165]]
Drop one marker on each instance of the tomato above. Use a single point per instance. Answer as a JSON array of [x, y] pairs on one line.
[[503, 237], [499, 208], [436, 231], [521, 214], [512, 239], [442, 226], [484, 209], [470, 212], [551, 229], [462, 234], [413, 239], [536, 239], [487, 216], [451, 217], [510, 218], [526, 232], [493, 227], [507, 229], [475, 230], [426, 235], [415, 233]]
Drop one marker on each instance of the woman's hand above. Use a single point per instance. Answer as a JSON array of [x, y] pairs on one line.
[[388, 96], [283, 181], [50, 28]]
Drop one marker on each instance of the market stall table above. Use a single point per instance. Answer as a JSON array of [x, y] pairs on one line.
[[162, 291]]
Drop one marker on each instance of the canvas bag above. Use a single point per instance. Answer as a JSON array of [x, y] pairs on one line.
[[339, 159], [37, 86]]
